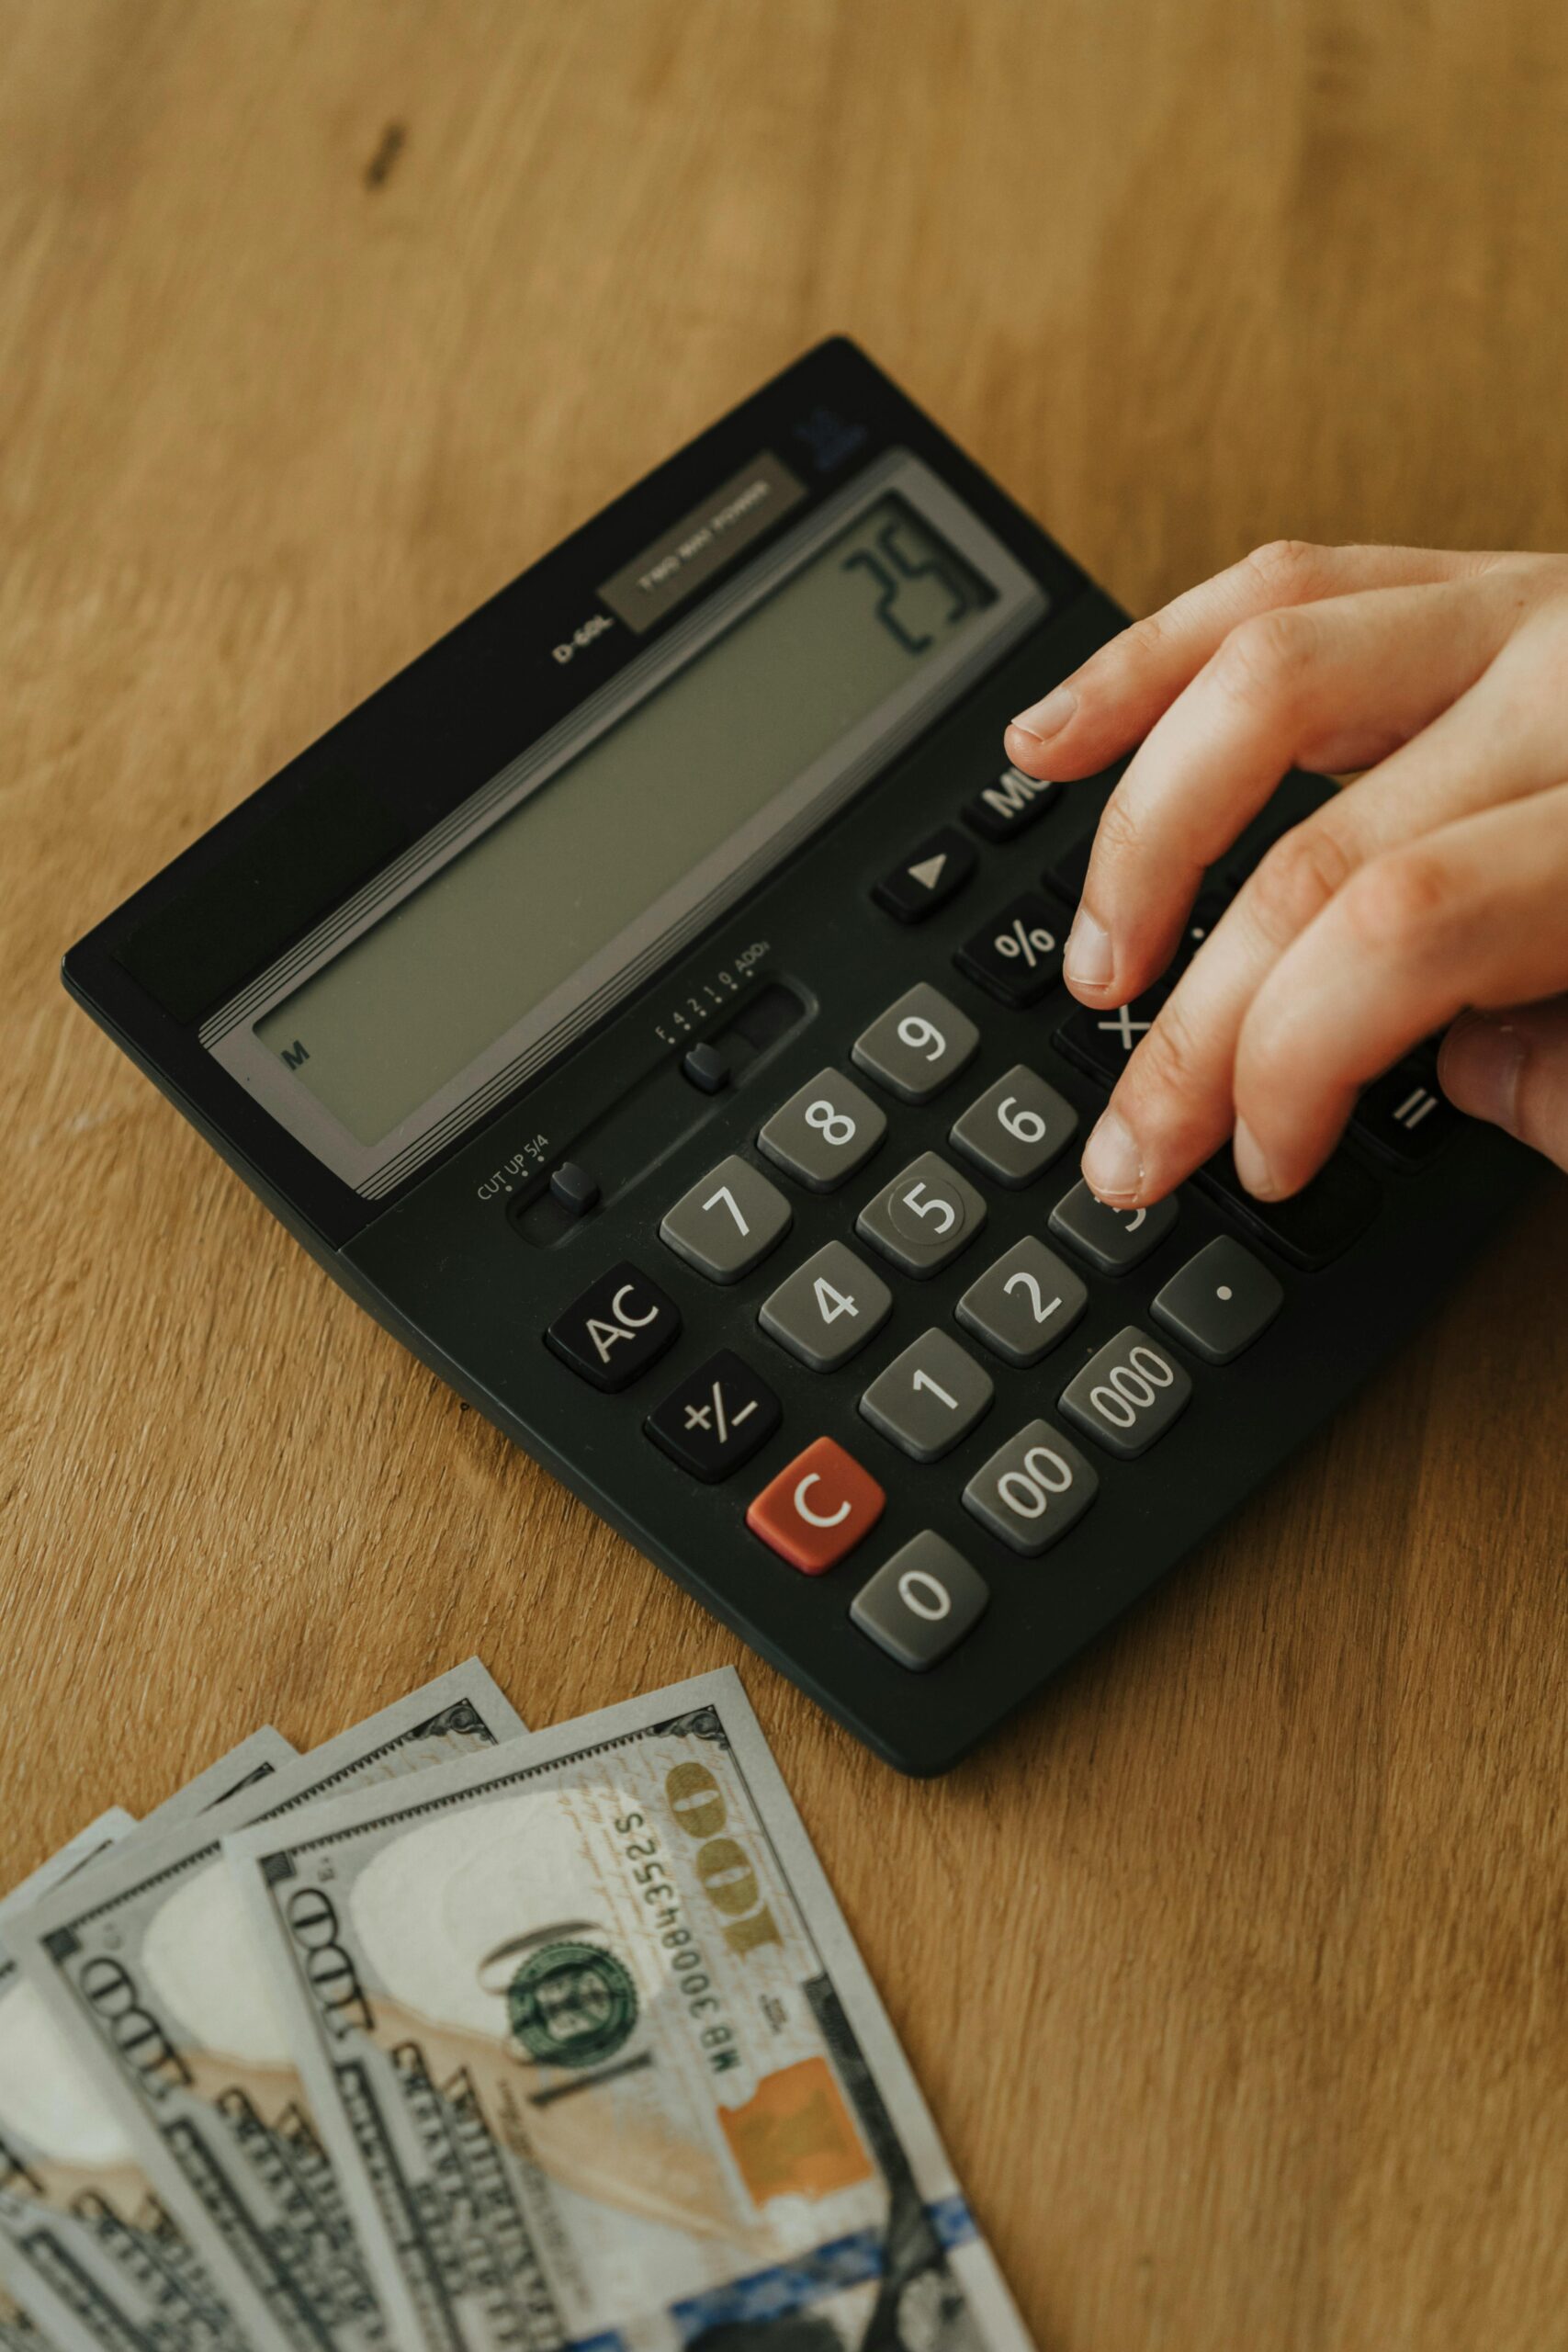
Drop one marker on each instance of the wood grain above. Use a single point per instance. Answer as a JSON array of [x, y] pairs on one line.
[[1235, 1972]]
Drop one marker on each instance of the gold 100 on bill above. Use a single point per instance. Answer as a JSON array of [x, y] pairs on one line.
[[596, 2061]]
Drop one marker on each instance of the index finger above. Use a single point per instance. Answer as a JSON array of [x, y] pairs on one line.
[[1112, 700]]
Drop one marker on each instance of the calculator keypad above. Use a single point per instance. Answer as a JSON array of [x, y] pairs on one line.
[[616, 1329], [729, 1222], [1024, 1303], [824, 1131], [916, 1047], [924, 1217], [1111, 1239], [1014, 1131], [929, 1397], [818, 1509], [716, 1420], [1128, 1396], [924, 1408], [827, 1309], [922, 1603], [1033, 1491]]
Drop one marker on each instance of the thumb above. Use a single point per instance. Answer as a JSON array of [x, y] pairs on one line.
[[1512, 1068]]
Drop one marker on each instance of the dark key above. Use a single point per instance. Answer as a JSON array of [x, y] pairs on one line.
[[727, 1222], [925, 1216], [1017, 954], [619, 1326], [1404, 1117], [931, 873], [1024, 1304], [1033, 1491], [716, 1420], [1315, 1225], [1128, 1394], [1220, 1302], [1001, 810], [1103, 1043], [1111, 1239], [1068, 869], [1016, 1128], [922, 1603]]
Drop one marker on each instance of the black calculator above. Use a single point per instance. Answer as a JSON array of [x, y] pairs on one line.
[[648, 1006]]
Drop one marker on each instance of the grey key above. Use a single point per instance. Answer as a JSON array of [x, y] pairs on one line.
[[916, 1047], [922, 1603], [1024, 1303], [1111, 1239], [1017, 1128], [728, 1224], [924, 1217], [827, 1309], [1220, 1302], [1128, 1394], [1030, 1492], [929, 1397], [824, 1132]]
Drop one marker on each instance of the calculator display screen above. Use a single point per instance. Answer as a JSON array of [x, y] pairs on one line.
[[417, 997]]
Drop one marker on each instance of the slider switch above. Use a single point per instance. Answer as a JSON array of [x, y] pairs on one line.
[[574, 1188], [705, 1066]]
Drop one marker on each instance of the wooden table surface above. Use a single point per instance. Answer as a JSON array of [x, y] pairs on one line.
[[1235, 1972]]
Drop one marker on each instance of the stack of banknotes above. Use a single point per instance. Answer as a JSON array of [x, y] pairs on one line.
[[451, 2035]]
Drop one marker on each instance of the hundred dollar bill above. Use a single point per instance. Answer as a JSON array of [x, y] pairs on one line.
[[86, 1846], [147, 1967], [87, 2251], [588, 2040], [240, 1769], [19, 2331]]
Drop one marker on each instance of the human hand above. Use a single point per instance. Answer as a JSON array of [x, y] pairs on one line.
[[1434, 886]]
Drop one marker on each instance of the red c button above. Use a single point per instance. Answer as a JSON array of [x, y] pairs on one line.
[[818, 1509]]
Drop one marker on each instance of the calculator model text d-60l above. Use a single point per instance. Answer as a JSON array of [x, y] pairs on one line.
[[648, 1005]]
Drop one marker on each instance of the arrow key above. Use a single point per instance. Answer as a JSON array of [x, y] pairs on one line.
[[934, 871]]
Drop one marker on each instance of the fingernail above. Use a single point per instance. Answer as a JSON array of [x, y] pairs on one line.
[[1478, 1066], [1043, 719], [1087, 960], [1250, 1164], [1112, 1164]]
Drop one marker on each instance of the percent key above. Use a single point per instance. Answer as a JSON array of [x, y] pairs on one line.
[[1017, 954]]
